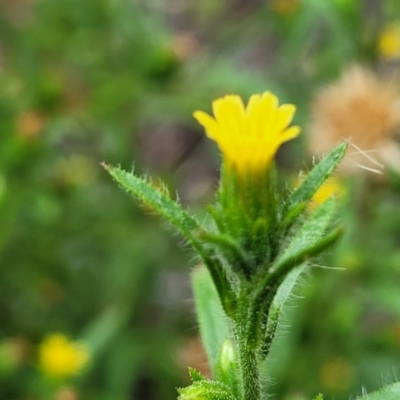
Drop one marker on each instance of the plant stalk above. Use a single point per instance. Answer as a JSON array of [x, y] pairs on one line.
[[250, 375]]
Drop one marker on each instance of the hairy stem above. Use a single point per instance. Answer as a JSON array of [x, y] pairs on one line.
[[249, 370]]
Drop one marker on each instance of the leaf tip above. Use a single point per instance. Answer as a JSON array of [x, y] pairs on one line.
[[106, 166]]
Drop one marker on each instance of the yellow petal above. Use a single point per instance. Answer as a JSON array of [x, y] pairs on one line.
[[229, 112], [267, 113], [252, 111], [284, 116], [209, 124], [289, 134], [253, 104]]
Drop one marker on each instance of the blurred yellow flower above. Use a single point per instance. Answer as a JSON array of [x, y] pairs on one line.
[[59, 357], [330, 188], [249, 137], [389, 41]]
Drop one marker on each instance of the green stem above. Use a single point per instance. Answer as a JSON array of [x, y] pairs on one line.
[[249, 370]]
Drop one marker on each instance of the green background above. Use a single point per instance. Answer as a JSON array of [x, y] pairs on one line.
[[83, 82]]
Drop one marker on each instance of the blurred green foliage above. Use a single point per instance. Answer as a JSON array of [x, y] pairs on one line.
[[116, 80]]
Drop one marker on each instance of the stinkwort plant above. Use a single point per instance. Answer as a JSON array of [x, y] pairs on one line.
[[259, 238]]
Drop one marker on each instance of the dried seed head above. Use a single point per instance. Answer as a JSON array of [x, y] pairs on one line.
[[363, 108]]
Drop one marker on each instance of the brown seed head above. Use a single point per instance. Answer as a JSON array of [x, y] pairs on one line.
[[361, 107]]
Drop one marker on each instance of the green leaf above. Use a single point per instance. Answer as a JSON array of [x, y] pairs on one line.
[[195, 375], [299, 199], [310, 240], [231, 249], [390, 392], [181, 220], [282, 295], [99, 333], [206, 390], [287, 286], [157, 200], [213, 322]]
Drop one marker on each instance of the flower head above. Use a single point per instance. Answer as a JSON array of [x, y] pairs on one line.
[[389, 41], [362, 106], [59, 357], [249, 137]]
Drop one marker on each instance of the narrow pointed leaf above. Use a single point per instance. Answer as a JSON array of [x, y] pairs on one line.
[[100, 332], [310, 239], [231, 249], [157, 200], [186, 225], [390, 392], [278, 303], [195, 375], [303, 194], [213, 322]]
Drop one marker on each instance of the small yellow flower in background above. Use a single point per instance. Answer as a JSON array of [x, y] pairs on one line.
[[60, 357], [332, 187], [249, 137], [389, 41]]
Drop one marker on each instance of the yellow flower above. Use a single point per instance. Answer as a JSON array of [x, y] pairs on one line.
[[59, 357], [331, 187], [249, 137], [389, 41]]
